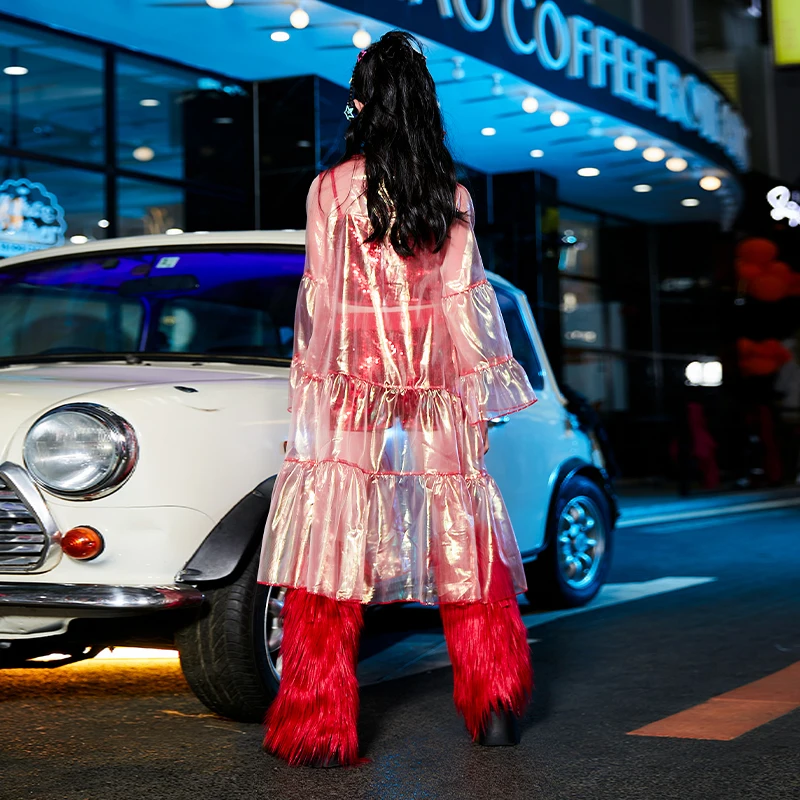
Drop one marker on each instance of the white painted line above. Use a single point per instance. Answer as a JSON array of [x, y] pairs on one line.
[[702, 513], [422, 652]]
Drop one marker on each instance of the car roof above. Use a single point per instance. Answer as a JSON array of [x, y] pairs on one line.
[[293, 238]]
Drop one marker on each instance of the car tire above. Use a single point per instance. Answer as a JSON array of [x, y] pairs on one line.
[[574, 564], [228, 653]]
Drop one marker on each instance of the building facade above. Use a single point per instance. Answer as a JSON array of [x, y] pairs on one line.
[[602, 142]]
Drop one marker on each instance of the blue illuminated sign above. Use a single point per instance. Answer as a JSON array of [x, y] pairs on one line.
[[598, 55], [30, 218], [580, 53]]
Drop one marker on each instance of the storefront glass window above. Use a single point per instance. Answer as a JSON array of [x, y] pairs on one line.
[[146, 207], [50, 205], [56, 105], [579, 244]]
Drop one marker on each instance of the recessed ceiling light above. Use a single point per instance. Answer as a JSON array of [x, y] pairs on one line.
[[559, 118], [173, 231], [15, 70], [79, 239], [279, 36], [103, 223], [537, 153], [654, 154], [458, 68], [299, 18], [144, 153], [710, 183], [642, 188], [488, 131], [149, 102], [362, 39], [588, 172], [625, 143], [676, 164], [530, 105], [219, 3], [690, 202]]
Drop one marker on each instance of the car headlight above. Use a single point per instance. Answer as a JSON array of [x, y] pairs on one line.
[[80, 451]]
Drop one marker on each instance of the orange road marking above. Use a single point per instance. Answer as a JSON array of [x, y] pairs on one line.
[[729, 715]]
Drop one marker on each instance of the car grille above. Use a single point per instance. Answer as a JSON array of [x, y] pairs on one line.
[[23, 541]]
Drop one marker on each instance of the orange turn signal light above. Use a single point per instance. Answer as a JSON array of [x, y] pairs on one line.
[[82, 543]]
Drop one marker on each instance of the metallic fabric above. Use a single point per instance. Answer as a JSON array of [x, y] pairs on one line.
[[384, 495]]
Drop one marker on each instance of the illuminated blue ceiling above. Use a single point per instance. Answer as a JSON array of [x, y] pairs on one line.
[[236, 42]]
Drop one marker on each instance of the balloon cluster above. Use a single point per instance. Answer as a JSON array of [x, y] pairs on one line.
[[761, 358], [761, 275]]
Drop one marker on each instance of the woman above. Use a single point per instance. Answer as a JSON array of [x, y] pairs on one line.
[[401, 357]]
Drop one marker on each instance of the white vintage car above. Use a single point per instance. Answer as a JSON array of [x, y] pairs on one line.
[[143, 393]]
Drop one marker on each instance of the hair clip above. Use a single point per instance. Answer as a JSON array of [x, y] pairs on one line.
[[361, 55]]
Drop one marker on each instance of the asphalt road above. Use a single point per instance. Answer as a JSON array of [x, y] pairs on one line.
[[133, 730]]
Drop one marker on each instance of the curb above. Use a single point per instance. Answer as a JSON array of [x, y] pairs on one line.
[[633, 520]]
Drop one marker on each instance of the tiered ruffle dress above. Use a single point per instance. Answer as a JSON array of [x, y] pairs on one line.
[[383, 495]]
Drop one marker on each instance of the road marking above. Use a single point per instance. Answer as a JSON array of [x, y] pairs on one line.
[[422, 652], [734, 713]]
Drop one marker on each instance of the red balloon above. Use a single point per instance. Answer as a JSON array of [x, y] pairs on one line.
[[768, 288], [758, 251], [747, 270], [761, 358]]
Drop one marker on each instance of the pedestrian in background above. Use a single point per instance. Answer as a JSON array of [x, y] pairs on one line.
[[401, 357]]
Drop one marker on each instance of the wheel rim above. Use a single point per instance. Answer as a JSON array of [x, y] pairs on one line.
[[581, 542], [273, 629]]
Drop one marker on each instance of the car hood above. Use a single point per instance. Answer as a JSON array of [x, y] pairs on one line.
[[28, 390]]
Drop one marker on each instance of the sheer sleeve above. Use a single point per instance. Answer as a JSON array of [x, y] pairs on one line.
[[492, 383], [316, 246]]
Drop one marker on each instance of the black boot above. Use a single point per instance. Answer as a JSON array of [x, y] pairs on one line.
[[502, 730]]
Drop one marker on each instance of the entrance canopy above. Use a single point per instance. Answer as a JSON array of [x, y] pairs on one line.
[[626, 125]]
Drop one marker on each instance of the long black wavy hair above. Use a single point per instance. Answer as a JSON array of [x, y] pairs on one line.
[[410, 172]]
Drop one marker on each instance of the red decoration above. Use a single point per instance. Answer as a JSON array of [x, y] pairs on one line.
[[761, 358], [757, 251], [772, 284]]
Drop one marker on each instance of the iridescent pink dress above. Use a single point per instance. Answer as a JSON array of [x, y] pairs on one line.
[[384, 495]]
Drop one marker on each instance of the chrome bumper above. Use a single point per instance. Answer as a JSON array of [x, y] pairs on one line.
[[96, 597]]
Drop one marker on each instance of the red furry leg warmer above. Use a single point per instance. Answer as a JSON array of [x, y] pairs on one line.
[[488, 645], [313, 718]]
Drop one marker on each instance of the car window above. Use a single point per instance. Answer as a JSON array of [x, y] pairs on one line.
[[211, 301], [520, 339]]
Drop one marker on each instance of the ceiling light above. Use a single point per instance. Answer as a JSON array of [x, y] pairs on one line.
[[676, 164], [625, 143], [223, 120], [559, 118], [488, 131], [458, 68], [710, 183], [362, 39], [537, 153], [642, 188], [219, 3], [299, 18], [588, 172], [149, 102], [16, 70], [79, 239], [530, 105], [690, 202], [173, 231], [654, 154], [103, 223], [144, 153], [279, 36]]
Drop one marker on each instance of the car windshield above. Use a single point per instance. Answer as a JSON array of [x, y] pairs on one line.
[[215, 303]]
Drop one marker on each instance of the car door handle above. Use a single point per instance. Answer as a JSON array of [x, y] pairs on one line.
[[499, 421]]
